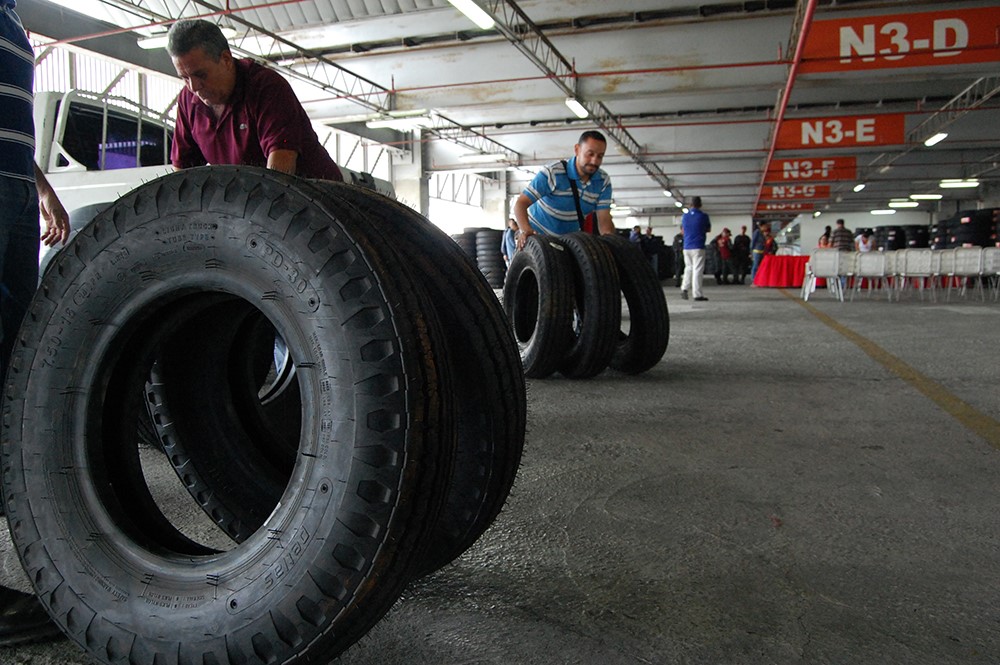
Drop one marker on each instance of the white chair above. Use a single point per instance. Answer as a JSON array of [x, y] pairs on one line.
[[991, 270], [943, 269], [824, 264], [916, 267], [969, 266], [870, 266]]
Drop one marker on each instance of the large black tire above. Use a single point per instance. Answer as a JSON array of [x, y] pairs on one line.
[[598, 306], [372, 461], [649, 320], [538, 299], [490, 399]]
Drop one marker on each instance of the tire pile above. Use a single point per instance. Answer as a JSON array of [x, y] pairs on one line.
[[330, 377], [563, 296], [483, 245], [967, 228]]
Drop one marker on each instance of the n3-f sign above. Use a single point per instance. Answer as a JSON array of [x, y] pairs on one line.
[[922, 39], [843, 132], [818, 169]]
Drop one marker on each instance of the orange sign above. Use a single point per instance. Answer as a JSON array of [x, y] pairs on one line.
[[844, 132], [922, 39], [785, 207], [789, 192], [818, 169]]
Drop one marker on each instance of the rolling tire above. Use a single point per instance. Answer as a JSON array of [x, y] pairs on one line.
[[335, 553], [598, 306], [649, 320], [490, 397], [538, 299]]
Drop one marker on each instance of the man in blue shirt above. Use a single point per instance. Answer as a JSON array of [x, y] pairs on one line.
[[548, 205], [24, 193], [696, 226]]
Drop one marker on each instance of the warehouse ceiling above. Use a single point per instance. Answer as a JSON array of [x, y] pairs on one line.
[[764, 107]]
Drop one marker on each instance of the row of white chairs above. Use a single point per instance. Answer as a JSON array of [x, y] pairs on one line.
[[896, 273]]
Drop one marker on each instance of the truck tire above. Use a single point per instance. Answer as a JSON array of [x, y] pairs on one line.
[[372, 461], [490, 397], [649, 320], [597, 306], [538, 299]]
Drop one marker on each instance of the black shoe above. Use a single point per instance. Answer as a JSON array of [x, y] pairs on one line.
[[701, 298], [684, 295], [23, 619]]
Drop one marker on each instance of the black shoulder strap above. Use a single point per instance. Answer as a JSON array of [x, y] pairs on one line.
[[576, 195]]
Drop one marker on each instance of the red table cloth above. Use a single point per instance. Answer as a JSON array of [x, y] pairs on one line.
[[781, 271]]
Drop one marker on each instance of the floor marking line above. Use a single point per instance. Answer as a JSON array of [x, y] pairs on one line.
[[983, 425]]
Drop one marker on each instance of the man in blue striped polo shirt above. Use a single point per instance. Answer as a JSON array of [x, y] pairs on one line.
[[548, 205], [24, 193]]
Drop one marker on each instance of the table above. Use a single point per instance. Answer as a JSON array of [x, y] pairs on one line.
[[781, 271]]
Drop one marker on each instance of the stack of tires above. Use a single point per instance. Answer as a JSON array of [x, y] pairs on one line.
[[563, 296], [972, 228], [917, 236], [331, 379], [483, 246], [488, 256]]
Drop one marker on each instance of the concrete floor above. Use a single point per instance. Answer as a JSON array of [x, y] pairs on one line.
[[791, 484]]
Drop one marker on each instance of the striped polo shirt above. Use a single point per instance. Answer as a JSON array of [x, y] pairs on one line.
[[17, 72], [552, 210]]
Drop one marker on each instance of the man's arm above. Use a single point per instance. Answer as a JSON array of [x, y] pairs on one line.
[[521, 215], [604, 222], [282, 160], [55, 215]]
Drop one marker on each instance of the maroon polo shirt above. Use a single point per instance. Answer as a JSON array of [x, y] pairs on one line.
[[263, 115]]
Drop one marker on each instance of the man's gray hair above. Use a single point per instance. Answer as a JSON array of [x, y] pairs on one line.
[[189, 34]]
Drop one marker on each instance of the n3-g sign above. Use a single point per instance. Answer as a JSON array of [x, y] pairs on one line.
[[791, 192], [922, 39], [805, 170], [843, 132]]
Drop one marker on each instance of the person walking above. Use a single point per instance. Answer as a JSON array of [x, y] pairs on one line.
[[696, 225]]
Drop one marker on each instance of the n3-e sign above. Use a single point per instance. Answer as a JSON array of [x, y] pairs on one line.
[[844, 132], [923, 39], [805, 170]]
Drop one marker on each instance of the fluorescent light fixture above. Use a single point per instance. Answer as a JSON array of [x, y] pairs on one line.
[[483, 157], [160, 40], [621, 212], [926, 197], [685, 210], [817, 214], [883, 212], [474, 13], [957, 183], [577, 108], [858, 187], [678, 204], [937, 138], [668, 193], [402, 124], [885, 168], [903, 204]]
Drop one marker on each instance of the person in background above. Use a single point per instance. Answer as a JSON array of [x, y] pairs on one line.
[[549, 203], [635, 235], [26, 196], [865, 242], [824, 240], [508, 244], [237, 111], [759, 246], [678, 247], [741, 255], [724, 268], [696, 225], [842, 238]]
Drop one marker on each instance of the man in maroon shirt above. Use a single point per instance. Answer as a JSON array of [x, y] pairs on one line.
[[237, 111]]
